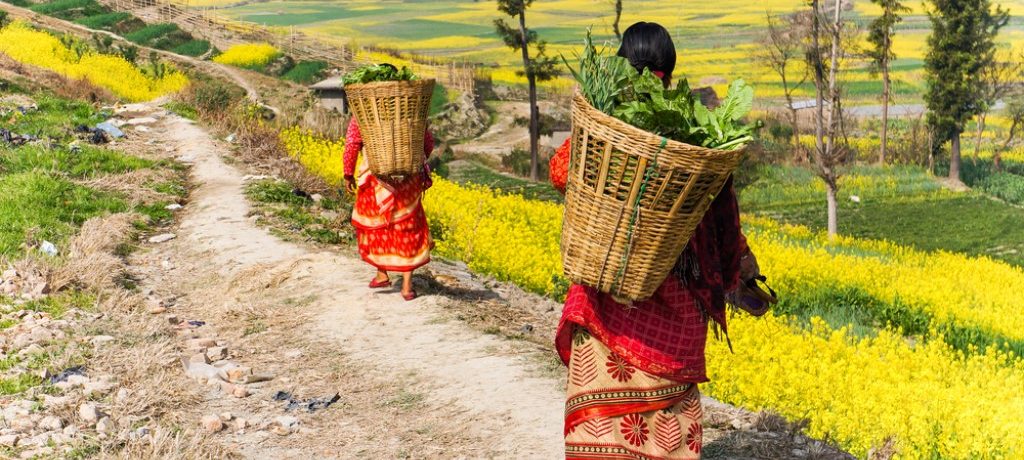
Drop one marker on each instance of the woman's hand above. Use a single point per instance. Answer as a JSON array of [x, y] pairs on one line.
[[749, 296], [350, 185]]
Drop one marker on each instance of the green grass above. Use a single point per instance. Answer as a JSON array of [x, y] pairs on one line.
[[475, 173], [39, 205], [306, 72], [87, 162], [18, 384], [104, 21], [70, 9], [183, 109], [149, 34], [903, 205], [58, 304], [192, 48], [293, 217], [56, 118]]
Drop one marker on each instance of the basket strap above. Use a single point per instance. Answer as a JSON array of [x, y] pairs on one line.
[[652, 170]]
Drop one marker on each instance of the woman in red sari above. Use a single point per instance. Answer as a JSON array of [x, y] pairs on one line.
[[391, 227], [634, 370]]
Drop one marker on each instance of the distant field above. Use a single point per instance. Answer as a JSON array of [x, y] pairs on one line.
[[715, 39]]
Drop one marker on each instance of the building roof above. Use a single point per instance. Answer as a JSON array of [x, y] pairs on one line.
[[330, 84]]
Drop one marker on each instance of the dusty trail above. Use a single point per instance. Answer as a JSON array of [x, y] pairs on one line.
[[497, 395]]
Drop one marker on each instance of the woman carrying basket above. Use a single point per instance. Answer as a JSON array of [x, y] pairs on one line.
[[634, 370], [391, 227]]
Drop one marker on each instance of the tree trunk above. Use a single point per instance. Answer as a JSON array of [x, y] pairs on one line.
[[618, 17], [534, 112], [954, 158], [997, 156], [977, 135], [885, 111], [801, 156], [819, 84], [833, 209]]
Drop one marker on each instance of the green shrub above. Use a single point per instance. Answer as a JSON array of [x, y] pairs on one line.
[[306, 72], [151, 33], [192, 48], [103, 21], [70, 9], [1006, 186]]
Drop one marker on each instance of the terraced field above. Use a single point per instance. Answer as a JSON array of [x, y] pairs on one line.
[[715, 39]]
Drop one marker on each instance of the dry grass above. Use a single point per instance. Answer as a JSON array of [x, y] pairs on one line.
[[92, 261], [133, 185], [170, 443]]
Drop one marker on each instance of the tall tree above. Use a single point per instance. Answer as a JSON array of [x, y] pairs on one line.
[[827, 45], [781, 50], [618, 18], [961, 45], [540, 67], [998, 79], [880, 34]]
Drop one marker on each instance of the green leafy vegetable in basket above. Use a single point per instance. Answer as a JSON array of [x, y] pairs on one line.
[[378, 72], [613, 86]]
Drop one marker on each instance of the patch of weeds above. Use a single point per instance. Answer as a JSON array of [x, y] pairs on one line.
[[405, 400], [55, 117], [8, 363], [57, 305], [157, 213], [254, 326], [83, 451], [274, 191], [173, 188], [292, 216], [18, 384], [492, 330], [6, 323], [182, 109]]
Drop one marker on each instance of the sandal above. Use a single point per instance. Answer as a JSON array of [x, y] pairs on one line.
[[410, 296], [374, 284]]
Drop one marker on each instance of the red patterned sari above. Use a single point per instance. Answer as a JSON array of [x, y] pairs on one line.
[[391, 227], [651, 353]]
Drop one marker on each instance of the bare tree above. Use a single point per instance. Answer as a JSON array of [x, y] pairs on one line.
[[828, 153], [781, 50], [998, 79]]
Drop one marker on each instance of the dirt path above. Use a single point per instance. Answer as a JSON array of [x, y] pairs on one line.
[[503, 135], [503, 406]]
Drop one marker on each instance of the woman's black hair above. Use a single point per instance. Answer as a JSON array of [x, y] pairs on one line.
[[648, 45]]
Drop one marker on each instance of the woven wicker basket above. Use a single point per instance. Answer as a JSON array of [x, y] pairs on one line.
[[392, 117], [622, 233]]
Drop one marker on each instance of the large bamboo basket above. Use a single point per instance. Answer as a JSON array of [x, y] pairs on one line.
[[620, 235], [392, 118]]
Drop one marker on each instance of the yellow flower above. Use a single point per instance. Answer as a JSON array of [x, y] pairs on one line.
[[29, 46], [248, 55]]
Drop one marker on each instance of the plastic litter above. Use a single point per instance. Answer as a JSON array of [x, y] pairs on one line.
[[64, 374], [310, 405], [48, 248]]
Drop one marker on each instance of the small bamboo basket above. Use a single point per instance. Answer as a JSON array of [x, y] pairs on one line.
[[633, 200], [392, 118]]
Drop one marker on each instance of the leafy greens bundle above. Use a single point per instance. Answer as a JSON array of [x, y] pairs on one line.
[[376, 72], [613, 86]]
